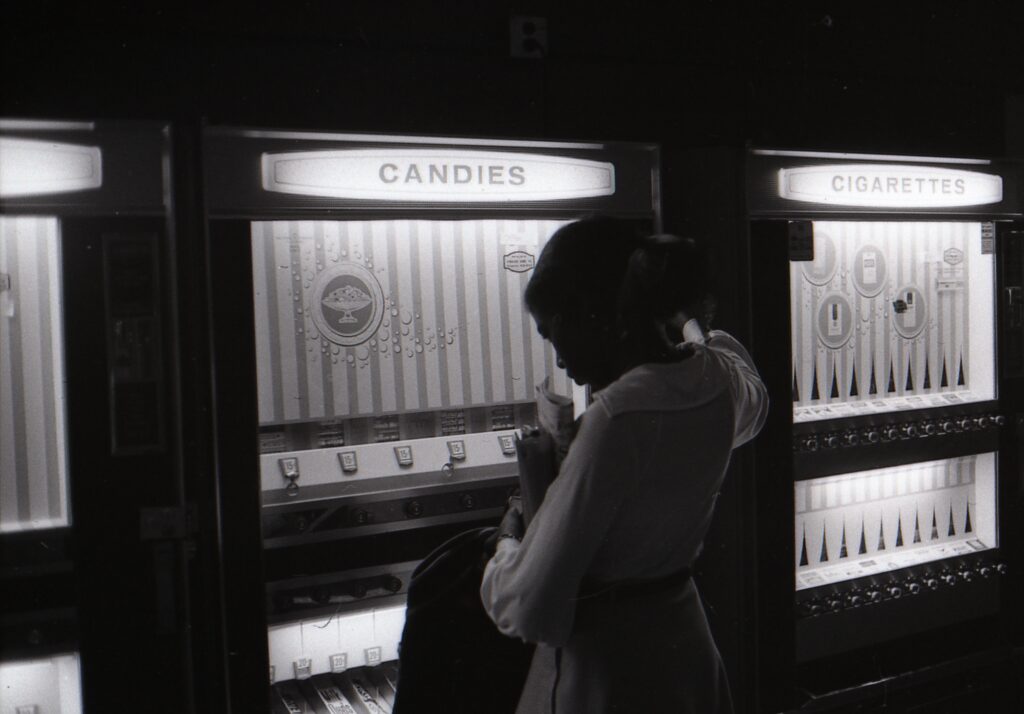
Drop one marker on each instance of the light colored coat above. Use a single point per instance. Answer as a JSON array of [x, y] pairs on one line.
[[633, 500]]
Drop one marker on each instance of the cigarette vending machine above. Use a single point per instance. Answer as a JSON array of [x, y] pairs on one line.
[[886, 296], [91, 609], [372, 360]]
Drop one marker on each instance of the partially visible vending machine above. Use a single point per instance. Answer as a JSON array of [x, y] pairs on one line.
[[90, 609], [887, 303], [372, 360]]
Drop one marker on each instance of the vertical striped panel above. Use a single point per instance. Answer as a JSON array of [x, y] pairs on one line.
[[914, 254], [454, 331], [33, 462]]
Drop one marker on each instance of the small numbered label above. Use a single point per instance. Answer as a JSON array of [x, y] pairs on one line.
[[508, 444], [289, 467], [404, 455], [303, 668], [457, 450], [373, 655], [339, 662], [348, 461]]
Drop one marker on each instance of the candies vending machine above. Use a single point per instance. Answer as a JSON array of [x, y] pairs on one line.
[[372, 360], [889, 325]]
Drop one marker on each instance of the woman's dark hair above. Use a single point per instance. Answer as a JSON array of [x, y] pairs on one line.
[[604, 270]]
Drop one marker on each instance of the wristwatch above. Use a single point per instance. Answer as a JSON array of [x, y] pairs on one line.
[[513, 536]]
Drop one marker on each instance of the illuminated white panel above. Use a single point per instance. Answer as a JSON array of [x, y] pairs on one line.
[[858, 524], [892, 316], [41, 686], [889, 186], [30, 167], [435, 175]]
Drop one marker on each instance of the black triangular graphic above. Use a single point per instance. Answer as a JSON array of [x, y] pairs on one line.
[[863, 543], [935, 525], [945, 378], [899, 532], [881, 537], [835, 385], [917, 527], [853, 382], [823, 555], [960, 373], [796, 388], [910, 378], [927, 375], [892, 379], [814, 383], [803, 549], [842, 546], [952, 527], [873, 389], [967, 526]]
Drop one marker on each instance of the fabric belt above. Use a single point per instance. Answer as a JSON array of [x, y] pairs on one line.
[[594, 592]]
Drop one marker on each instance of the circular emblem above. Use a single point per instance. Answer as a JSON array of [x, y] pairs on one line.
[[909, 312], [835, 321], [823, 267], [869, 271], [347, 304]]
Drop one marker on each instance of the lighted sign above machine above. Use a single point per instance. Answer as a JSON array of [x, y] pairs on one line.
[[889, 186], [31, 167], [435, 175]]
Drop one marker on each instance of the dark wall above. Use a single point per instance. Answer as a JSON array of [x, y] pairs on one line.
[[702, 74]]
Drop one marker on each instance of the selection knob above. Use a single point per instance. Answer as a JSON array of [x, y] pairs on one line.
[[914, 588], [910, 430], [948, 427], [948, 578], [966, 575], [855, 600], [963, 424], [873, 437], [999, 420], [932, 583], [392, 584], [895, 591], [874, 595], [414, 509], [467, 501], [982, 422], [811, 443], [1001, 568], [832, 441], [357, 589], [985, 571], [852, 439], [834, 604], [890, 433], [930, 430]]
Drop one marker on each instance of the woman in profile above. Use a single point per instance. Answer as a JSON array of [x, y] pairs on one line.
[[601, 578]]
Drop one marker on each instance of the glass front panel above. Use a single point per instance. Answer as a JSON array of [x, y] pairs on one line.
[[852, 525], [372, 332], [33, 461], [390, 353], [50, 685], [892, 316]]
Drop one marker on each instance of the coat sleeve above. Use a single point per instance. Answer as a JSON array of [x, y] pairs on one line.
[[529, 589], [749, 395]]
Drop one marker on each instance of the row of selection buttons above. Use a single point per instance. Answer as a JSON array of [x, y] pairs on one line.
[[403, 456], [858, 597], [898, 432]]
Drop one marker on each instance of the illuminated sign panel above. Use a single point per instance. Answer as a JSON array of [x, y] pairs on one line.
[[31, 168], [889, 186], [435, 175]]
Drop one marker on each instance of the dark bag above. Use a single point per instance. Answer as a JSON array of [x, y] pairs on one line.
[[452, 659]]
